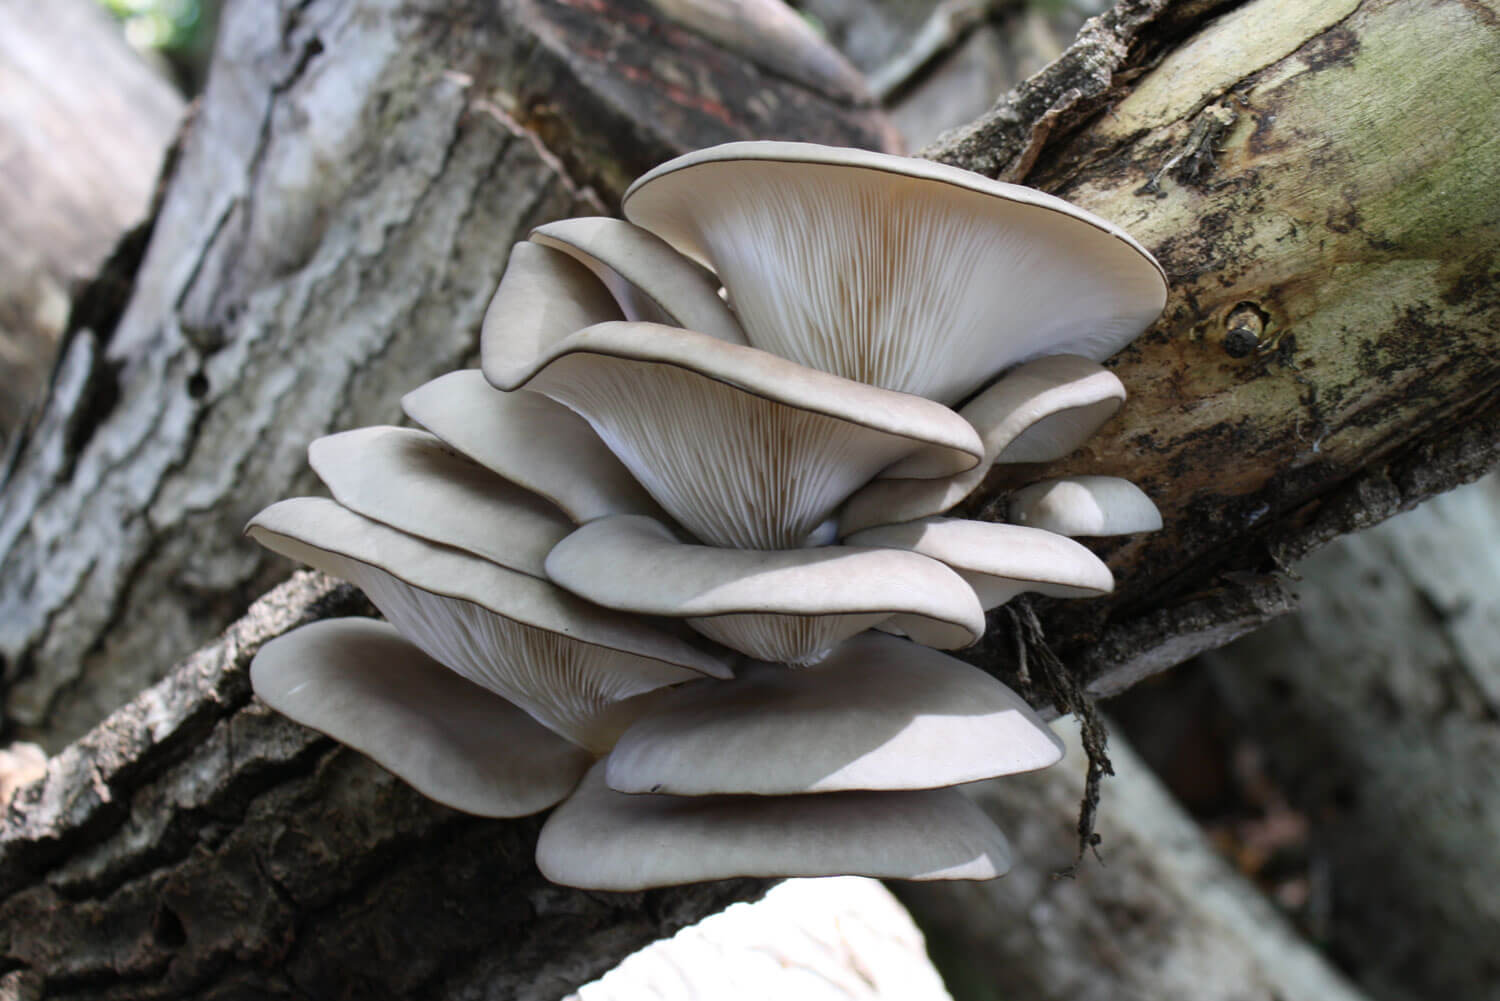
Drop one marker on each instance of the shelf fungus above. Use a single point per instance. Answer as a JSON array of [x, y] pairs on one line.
[[674, 556]]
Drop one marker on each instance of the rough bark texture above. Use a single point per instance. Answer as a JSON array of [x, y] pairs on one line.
[[1378, 705], [1273, 164], [351, 215], [85, 123], [341, 214], [198, 845], [1163, 918]]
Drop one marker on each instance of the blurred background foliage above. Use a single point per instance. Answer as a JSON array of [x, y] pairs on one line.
[[176, 35]]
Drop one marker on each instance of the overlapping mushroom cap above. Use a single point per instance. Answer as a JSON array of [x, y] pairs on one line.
[[715, 441]]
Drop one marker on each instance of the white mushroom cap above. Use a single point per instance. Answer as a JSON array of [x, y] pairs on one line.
[[571, 665], [789, 606], [1038, 412], [360, 683], [648, 279], [1085, 505], [744, 449], [599, 839], [879, 713], [409, 480], [1000, 561], [903, 273], [544, 296], [531, 441]]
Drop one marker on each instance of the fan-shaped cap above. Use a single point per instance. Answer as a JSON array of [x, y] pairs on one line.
[[571, 665], [742, 448], [531, 441], [544, 296], [903, 273], [789, 606], [1040, 411], [1085, 505], [360, 683], [1000, 561], [600, 839], [409, 480], [879, 713], [648, 279]]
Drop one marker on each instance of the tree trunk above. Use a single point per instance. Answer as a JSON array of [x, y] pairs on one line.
[[85, 123], [1378, 705], [336, 225], [339, 219]]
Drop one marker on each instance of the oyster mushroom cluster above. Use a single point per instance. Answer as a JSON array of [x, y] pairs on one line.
[[673, 557]]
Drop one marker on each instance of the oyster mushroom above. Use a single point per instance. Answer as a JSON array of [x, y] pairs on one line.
[[789, 606], [879, 713], [600, 839], [1085, 505], [903, 273]]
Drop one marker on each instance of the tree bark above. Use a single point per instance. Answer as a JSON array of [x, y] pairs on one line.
[[1377, 704], [340, 216], [85, 123], [330, 240]]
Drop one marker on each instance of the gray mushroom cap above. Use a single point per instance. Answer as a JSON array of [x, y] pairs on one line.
[[574, 667], [1038, 412], [599, 839], [742, 448], [409, 480], [900, 272], [879, 713], [648, 279], [531, 441], [358, 681], [1085, 505], [1000, 561], [789, 606]]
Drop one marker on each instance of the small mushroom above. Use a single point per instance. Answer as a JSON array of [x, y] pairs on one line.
[[1038, 412], [599, 839], [1000, 561], [1085, 505], [531, 441], [544, 296], [649, 280], [360, 683], [744, 449], [570, 665], [903, 273], [408, 480], [879, 713], [789, 606]]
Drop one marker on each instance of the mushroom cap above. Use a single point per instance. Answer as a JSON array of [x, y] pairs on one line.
[[907, 274], [1037, 412], [634, 564], [1000, 561], [531, 441], [360, 683], [878, 713], [648, 279], [742, 448], [409, 480], [544, 296], [599, 839], [1085, 505], [571, 665]]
